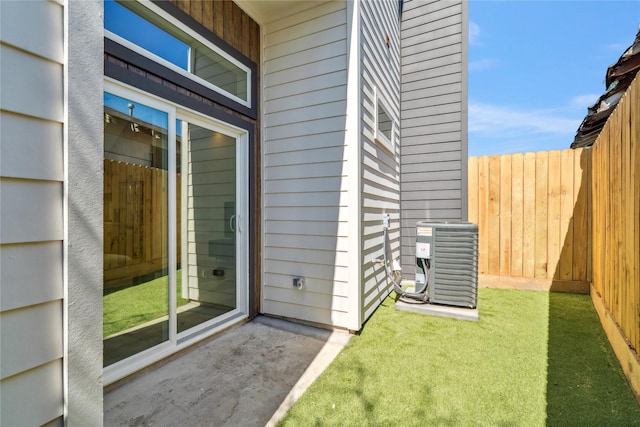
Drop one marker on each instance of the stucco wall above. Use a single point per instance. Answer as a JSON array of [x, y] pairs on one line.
[[83, 226]]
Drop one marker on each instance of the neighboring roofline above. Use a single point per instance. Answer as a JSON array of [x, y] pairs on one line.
[[618, 78]]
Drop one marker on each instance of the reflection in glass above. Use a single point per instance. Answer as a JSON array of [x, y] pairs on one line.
[[165, 40], [136, 227], [385, 125], [208, 285], [135, 288]]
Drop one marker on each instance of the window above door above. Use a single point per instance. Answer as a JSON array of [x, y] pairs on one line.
[[160, 39]]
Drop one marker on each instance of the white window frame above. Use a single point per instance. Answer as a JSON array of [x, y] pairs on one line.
[[379, 136], [162, 14], [178, 341]]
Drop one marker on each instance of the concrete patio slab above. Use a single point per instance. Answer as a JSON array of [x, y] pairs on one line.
[[248, 376]]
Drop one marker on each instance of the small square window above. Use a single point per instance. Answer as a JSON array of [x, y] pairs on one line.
[[385, 125]]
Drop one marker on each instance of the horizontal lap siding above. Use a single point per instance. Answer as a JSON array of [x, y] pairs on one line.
[[306, 230], [380, 69], [31, 206], [433, 114]]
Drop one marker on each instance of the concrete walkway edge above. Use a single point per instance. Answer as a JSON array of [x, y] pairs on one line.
[[333, 346]]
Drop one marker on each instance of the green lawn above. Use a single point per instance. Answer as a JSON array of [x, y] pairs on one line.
[[533, 359], [138, 304]]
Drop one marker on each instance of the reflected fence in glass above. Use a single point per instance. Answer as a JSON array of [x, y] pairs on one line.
[[136, 314], [135, 288]]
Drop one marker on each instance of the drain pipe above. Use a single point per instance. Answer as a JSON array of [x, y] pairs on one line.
[[419, 297]]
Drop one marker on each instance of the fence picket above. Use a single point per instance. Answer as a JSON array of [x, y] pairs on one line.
[[135, 220], [567, 203], [634, 133], [493, 219], [529, 215], [505, 215], [541, 216], [581, 190], [483, 211], [517, 208], [553, 224]]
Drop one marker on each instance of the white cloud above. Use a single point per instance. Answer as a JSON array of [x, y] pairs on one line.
[[585, 100], [498, 129], [618, 48], [503, 122], [474, 33], [483, 64]]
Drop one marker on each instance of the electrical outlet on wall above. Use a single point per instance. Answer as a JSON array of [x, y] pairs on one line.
[[298, 282], [212, 272]]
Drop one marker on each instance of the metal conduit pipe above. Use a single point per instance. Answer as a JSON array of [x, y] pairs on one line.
[[419, 297]]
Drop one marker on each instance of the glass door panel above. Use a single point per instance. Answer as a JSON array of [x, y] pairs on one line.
[[207, 287], [135, 288], [175, 250]]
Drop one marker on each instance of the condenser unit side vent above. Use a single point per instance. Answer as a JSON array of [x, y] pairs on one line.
[[453, 271]]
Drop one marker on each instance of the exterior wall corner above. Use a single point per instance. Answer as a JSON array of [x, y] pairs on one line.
[[83, 212]]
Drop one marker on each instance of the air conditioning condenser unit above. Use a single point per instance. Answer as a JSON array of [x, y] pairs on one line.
[[447, 261]]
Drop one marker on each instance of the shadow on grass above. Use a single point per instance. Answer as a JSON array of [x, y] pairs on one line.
[[585, 384], [533, 359]]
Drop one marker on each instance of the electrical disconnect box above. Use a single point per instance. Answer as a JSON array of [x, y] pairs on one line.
[[447, 257]]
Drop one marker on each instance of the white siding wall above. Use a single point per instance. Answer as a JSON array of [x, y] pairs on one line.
[[434, 117], [306, 219], [31, 208], [380, 168]]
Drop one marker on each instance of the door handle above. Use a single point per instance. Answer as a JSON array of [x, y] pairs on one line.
[[232, 223]]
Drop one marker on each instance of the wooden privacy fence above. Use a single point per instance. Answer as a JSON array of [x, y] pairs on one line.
[[532, 214], [571, 218], [135, 220], [616, 229]]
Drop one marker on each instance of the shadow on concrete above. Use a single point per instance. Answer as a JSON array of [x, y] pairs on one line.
[[248, 376]]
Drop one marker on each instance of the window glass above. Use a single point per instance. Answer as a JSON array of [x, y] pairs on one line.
[[385, 124], [134, 28], [159, 37], [135, 228], [170, 251], [208, 287]]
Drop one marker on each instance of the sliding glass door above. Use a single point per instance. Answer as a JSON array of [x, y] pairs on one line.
[[175, 203], [209, 225]]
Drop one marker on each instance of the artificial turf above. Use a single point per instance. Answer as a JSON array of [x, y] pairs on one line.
[[533, 359]]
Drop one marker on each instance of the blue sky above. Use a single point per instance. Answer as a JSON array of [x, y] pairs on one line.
[[121, 21], [535, 67]]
